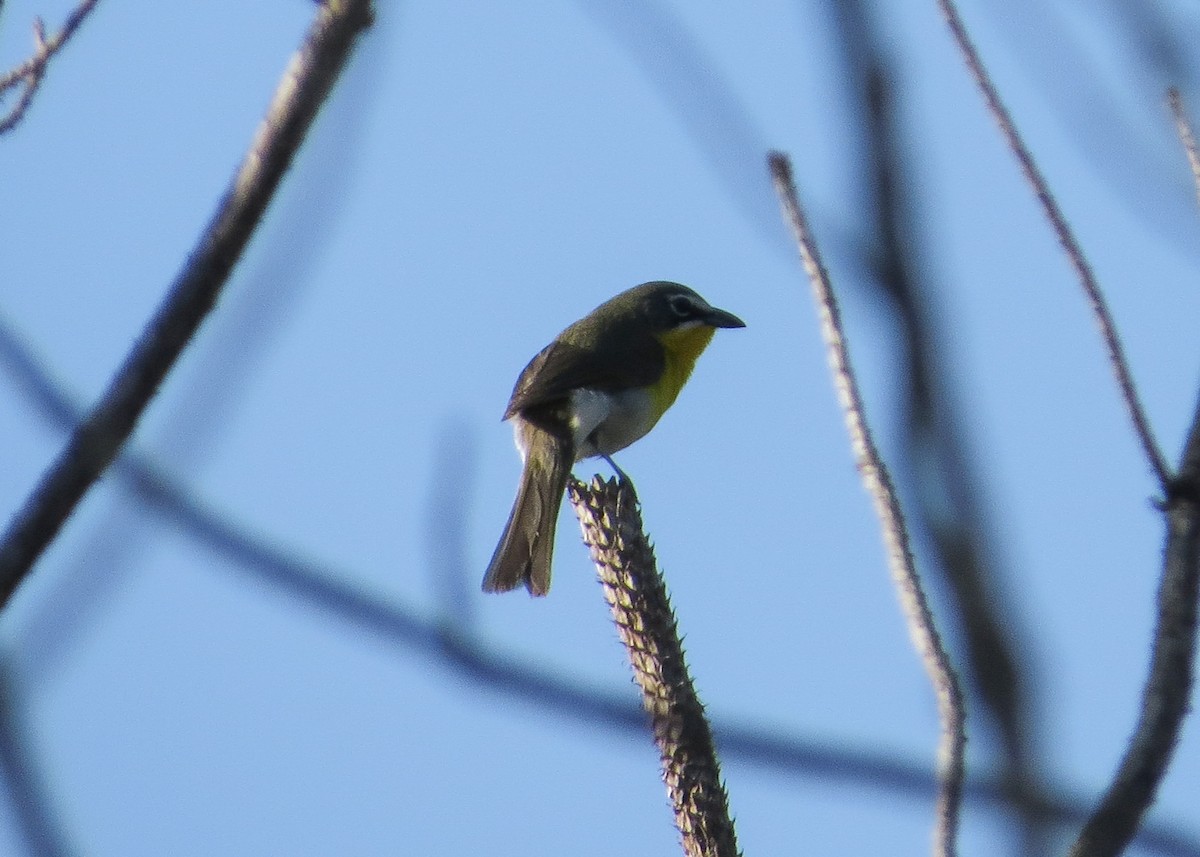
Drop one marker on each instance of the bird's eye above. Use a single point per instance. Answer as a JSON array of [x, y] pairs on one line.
[[682, 306]]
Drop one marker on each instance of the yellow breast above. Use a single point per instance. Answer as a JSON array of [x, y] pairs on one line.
[[682, 347]]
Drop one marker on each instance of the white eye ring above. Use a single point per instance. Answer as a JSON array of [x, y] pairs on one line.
[[682, 306]]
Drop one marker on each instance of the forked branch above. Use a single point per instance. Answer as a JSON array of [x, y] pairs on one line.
[[30, 74], [1166, 698]]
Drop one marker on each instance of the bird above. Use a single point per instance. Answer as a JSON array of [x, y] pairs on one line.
[[602, 384]]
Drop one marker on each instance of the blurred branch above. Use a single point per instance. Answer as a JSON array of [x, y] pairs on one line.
[[306, 83], [40, 828], [1166, 698], [921, 625], [637, 596], [1087, 279], [944, 484], [453, 648], [446, 526], [1162, 44], [720, 123], [1105, 74], [32, 72]]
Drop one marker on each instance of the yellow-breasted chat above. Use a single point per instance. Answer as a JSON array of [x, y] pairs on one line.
[[600, 385]]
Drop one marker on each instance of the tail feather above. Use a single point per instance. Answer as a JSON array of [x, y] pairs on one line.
[[525, 550]]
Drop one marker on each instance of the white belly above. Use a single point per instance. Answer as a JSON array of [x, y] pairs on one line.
[[601, 423], [604, 423]]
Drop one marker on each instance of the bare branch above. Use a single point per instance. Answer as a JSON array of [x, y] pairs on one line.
[[33, 70], [1167, 696], [874, 472], [1087, 279], [637, 595], [305, 85]]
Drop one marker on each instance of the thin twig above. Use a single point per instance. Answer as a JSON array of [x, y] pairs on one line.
[[1166, 698], [306, 83], [1091, 288], [635, 591], [33, 70], [1186, 136], [874, 472]]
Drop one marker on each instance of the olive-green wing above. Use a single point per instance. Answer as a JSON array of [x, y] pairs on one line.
[[560, 368]]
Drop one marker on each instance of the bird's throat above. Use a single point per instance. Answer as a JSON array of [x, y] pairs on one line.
[[682, 347]]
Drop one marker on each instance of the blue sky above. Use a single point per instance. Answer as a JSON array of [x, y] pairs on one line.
[[483, 176]]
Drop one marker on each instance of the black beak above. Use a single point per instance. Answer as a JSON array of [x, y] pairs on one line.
[[720, 318]]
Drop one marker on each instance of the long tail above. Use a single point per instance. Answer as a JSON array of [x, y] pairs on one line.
[[527, 546]]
